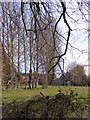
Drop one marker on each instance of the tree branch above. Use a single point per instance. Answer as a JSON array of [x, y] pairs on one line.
[[69, 31], [22, 11]]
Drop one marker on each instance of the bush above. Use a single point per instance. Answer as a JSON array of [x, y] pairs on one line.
[[60, 106]]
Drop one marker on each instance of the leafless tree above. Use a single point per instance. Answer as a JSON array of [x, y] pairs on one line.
[[45, 39]]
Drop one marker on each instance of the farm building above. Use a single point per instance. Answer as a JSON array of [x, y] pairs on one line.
[[41, 78]]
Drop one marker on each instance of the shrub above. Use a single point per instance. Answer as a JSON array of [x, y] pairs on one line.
[[60, 106]]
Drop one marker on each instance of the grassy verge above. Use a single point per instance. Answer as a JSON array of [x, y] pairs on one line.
[[21, 95]]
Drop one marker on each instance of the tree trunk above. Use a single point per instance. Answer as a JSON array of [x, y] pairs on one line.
[[36, 81], [33, 81], [18, 79], [1, 85], [7, 33], [13, 80], [30, 45], [25, 59]]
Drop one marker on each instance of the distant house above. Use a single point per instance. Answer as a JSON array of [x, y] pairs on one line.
[[41, 78], [24, 76]]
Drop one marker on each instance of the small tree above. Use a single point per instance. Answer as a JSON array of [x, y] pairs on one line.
[[77, 75]]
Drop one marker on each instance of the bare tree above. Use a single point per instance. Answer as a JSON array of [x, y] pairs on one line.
[[3, 26], [8, 46], [37, 9], [46, 39], [24, 45], [30, 46], [18, 30]]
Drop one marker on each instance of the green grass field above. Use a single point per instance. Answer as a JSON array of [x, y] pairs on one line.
[[21, 95]]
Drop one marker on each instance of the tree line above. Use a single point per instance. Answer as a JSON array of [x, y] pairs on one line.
[[32, 39]]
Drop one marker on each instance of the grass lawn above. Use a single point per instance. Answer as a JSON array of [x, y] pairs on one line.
[[21, 95]]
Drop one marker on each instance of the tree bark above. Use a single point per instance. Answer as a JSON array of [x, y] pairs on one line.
[[36, 35], [30, 45], [25, 59], [18, 79]]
